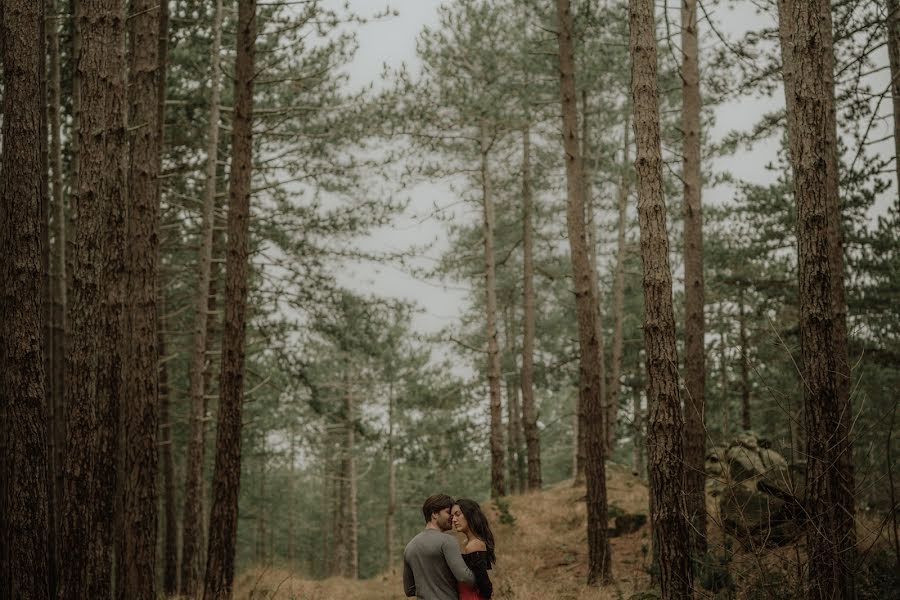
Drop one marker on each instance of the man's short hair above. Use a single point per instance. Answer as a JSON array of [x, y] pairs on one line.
[[435, 504]]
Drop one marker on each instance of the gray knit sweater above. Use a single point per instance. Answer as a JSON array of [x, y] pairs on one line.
[[432, 564]]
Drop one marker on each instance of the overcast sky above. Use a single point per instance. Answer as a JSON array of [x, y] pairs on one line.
[[392, 41]]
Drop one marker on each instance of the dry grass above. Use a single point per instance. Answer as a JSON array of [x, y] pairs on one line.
[[542, 556]]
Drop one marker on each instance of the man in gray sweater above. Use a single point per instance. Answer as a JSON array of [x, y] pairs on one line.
[[432, 562]]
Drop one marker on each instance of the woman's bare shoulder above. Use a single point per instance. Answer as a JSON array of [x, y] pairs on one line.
[[475, 545]]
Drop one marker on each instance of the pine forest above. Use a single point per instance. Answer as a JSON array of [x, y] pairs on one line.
[[606, 291]]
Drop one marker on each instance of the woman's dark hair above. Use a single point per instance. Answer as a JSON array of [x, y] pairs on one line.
[[478, 524], [435, 504]]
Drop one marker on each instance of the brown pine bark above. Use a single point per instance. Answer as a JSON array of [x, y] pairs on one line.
[[170, 535], [24, 519], [57, 273], [498, 482], [227, 475], [892, 23], [93, 378], [599, 558], [665, 427], [529, 411], [192, 538], [609, 412], [694, 291], [615, 379], [808, 68], [141, 408]]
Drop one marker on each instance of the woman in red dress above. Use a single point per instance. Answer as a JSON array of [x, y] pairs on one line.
[[478, 554]]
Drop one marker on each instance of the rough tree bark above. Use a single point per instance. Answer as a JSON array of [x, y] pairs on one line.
[[141, 405], [498, 482], [192, 539], [24, 520], [615, 383], [599, 557], [587, 178], [529, 411], [227, 475], [665, 427], [170, 535], [808, 67], [57, 324], [93, 377], [694, 293]]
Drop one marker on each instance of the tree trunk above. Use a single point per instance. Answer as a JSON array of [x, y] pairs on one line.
[[746, 422], [292, 499], [170, 543], [723, 378], [74, 53], [56, 411], [599, 559], [24, 520], [389, 526], [498, 484], [192, 538], [514, 421], [893, 42], [609, 412], [615, 383], [227, 474], [351, 522], [261, 515], [529, 411], [390, 516], [93, 378], [637, 458], [142, 372], [808, 68], [170, 536], [339, 509], [694, 293], [665, 428]]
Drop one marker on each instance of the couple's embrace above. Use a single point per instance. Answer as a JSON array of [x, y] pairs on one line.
[[434, 567]]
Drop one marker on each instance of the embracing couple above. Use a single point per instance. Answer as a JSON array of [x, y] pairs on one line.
[[434, 568]]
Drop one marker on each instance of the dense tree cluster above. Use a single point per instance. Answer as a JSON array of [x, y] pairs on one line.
[[190, 383]]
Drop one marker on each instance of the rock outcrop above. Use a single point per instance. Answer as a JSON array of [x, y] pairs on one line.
[[759, 495]]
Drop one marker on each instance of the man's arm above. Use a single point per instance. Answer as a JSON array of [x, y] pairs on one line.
[[455, 561], [409, 580]]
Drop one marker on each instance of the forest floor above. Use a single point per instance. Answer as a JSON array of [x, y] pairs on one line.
[[542, 555]]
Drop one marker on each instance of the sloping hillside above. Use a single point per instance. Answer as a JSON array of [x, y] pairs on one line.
[[542, 555]]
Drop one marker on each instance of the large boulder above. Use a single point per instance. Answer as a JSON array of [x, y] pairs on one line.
[[760, 495]]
